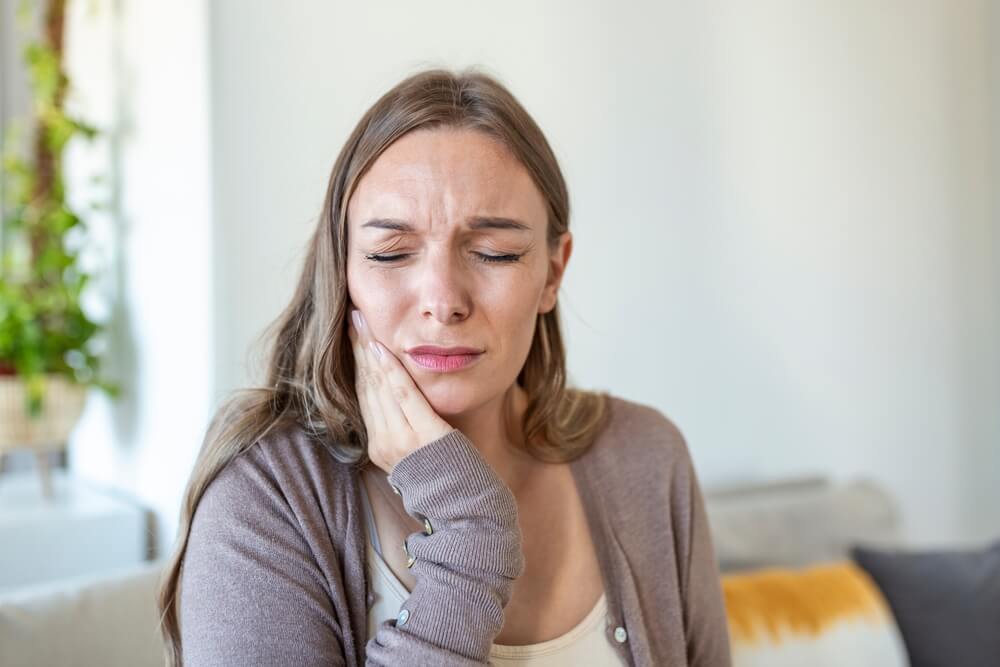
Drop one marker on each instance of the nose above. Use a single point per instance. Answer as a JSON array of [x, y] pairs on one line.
[[444, 293]]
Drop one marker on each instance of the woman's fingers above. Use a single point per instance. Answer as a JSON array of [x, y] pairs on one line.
[[396, 434], [363, 385], [388, 388], [410, 401], [406, 419]]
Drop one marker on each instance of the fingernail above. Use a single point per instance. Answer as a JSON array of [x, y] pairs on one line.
[[376, 348]]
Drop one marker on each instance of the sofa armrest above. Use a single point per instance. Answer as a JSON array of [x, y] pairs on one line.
[[108, 620], [793, 523]]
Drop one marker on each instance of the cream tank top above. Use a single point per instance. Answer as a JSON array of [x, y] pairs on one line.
[[584, 644]]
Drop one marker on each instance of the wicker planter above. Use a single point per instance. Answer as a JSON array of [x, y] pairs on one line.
[[61, 410]]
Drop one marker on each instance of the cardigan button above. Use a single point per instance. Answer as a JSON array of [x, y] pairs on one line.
[[395, 489], [428, 528], [410, 560], [404, 616], [620, 635]]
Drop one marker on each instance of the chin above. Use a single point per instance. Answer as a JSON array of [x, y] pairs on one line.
[[447, 402], [450, 395]]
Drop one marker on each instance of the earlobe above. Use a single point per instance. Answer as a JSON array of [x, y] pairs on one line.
[[548, 302], [557, 267]]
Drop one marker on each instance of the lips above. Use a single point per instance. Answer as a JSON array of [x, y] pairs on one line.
[[444, 359], [443, 351]]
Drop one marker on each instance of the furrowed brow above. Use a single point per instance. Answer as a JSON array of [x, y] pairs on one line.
[[487, 222], [389, 223], [474, 222]]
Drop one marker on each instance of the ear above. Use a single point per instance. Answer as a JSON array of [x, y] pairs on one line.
[[558, 260]]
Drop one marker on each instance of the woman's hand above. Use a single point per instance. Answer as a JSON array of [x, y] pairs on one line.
[[397, 416]]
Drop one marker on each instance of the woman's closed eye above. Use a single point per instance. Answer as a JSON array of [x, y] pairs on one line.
[[483, 257]]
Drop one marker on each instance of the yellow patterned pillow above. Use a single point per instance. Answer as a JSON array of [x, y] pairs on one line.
[[830, 614]]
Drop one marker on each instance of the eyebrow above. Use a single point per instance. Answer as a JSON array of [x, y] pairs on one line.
[[474, 222]]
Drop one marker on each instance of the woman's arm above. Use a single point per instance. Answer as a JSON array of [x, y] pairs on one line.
[[252, 593], [706, 623], [465, 569]]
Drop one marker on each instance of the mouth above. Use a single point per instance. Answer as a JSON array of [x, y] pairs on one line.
[[444, 359]]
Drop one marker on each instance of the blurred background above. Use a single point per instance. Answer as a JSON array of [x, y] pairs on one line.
[[785, 216]]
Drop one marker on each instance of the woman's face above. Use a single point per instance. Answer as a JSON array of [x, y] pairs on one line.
[[442, 202]]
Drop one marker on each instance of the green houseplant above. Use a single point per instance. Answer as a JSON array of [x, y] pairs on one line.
[[47, 353]]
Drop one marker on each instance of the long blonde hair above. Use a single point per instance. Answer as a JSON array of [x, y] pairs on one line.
[[310, 372]]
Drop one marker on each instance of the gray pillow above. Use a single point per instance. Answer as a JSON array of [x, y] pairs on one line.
[[946, 603]]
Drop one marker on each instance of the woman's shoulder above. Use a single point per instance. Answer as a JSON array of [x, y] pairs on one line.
[[638, 431], [287, 472], [642, 451], [273, 538]]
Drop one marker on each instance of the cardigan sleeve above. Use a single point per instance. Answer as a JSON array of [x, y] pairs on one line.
[[464, 568], [706, 622], [251, 592]]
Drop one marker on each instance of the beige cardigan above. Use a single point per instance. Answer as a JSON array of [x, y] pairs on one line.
[[274, 572]]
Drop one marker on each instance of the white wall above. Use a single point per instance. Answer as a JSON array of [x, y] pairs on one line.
[[782, 237], [142, 75], [853, 322], [782, 213], [984, 461]]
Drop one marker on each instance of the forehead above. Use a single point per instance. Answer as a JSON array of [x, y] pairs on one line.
[[450, 172]]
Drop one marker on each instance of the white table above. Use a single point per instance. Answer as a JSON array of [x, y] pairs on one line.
[[82, 530]]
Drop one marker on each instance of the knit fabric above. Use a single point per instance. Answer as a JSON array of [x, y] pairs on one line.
[[275, 568]]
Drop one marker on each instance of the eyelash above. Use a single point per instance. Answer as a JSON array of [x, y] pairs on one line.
[[486, 259]]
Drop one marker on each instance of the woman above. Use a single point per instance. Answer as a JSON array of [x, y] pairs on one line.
[[416, 484]]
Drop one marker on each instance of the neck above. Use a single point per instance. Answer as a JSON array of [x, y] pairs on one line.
[[486, 429]]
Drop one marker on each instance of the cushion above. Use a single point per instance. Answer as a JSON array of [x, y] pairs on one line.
[[830, 614], [947, 603]]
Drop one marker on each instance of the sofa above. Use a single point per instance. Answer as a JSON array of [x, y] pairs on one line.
[[109, 621], [794, 596], [794, 592]]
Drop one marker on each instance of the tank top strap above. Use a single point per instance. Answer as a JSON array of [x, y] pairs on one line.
[[370, 519]]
